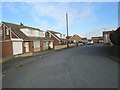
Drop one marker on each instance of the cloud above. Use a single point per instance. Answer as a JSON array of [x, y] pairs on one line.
[[96, 32], [80, 14], [91, 33], [52, 15], [60, 0], [11, 8]]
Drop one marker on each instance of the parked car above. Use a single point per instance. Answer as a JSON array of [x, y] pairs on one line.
[[89, 42]]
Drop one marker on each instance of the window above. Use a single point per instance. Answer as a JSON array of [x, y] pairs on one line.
[[0, 32], [7, 31], [43, 34], [26, 44], [64, 35], [45, 44], [39, 34], [49, 35], [31, 32], [60, 35], [36, 44]]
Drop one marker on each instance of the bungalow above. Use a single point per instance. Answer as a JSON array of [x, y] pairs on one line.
[[18, 39], [56, 36], [97, 39], [75, 39], [84, 39]]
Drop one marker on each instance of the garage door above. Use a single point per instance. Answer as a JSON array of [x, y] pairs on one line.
[[17, 48]]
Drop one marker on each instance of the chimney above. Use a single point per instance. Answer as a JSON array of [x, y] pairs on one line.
[[21, 24]]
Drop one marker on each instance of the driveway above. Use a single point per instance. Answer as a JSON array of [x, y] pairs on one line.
[[79, 67]]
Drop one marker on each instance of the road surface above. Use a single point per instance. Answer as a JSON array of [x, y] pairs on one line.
[[78, 67]]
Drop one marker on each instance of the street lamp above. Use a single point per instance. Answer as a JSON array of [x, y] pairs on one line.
[[67, 29]]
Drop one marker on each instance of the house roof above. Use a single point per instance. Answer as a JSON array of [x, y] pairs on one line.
[[16, 29], [107, 32], [84, 38], [39, 38], [20, 26], [53, 32], [99, 37], [118, 29], [68, 37], [75, 37]]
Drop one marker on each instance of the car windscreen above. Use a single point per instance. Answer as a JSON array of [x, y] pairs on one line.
[[89, 40]]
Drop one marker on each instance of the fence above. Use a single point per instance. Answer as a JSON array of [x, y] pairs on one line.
[[71, 45]]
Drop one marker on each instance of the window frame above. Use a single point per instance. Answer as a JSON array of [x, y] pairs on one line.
[[46, 44], [1, 32], [7, 31], [36, 44]]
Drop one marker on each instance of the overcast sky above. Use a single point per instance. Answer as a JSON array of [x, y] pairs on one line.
[[85, 18]]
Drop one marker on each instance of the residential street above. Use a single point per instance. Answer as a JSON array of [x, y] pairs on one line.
[[78, 67]]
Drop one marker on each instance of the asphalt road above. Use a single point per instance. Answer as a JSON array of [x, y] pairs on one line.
[[79, 67]]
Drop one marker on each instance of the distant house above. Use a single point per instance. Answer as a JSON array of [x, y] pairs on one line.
[[84, 39], [75, 39], [18, 39], [58, 38], [106, 36], [97, 39]]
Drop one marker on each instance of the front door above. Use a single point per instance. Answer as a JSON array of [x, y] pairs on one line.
[[51, 44], [26, 47]]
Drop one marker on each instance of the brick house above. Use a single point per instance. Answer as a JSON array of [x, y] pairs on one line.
[[106, 36], [18, 39], [97, 39], [84, 39], [56, 36], [75, 39]]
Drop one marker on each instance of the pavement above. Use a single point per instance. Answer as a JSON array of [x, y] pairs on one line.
[[79, 67], [22, 60]]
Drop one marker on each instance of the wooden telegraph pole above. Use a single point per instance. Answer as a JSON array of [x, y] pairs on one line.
[[67, 29]]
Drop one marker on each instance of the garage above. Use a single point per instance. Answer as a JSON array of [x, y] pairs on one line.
[[17, 48]]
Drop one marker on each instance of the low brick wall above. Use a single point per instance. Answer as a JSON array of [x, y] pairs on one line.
[[36, 49], [60, 47], [45, 48], [6, 59], [80, 44], [70, 45]]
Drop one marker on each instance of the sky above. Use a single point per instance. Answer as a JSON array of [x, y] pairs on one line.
[[86, 19]]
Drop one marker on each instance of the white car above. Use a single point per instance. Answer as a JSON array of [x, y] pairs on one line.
[[89, 42]]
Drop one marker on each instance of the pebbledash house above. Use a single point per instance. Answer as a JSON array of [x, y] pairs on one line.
[[19, 39]]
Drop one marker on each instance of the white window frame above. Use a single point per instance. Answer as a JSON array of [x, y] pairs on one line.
[[31, 32], [36, 44], [7, 31], [49, 35], [0, 32], [45, 44]]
